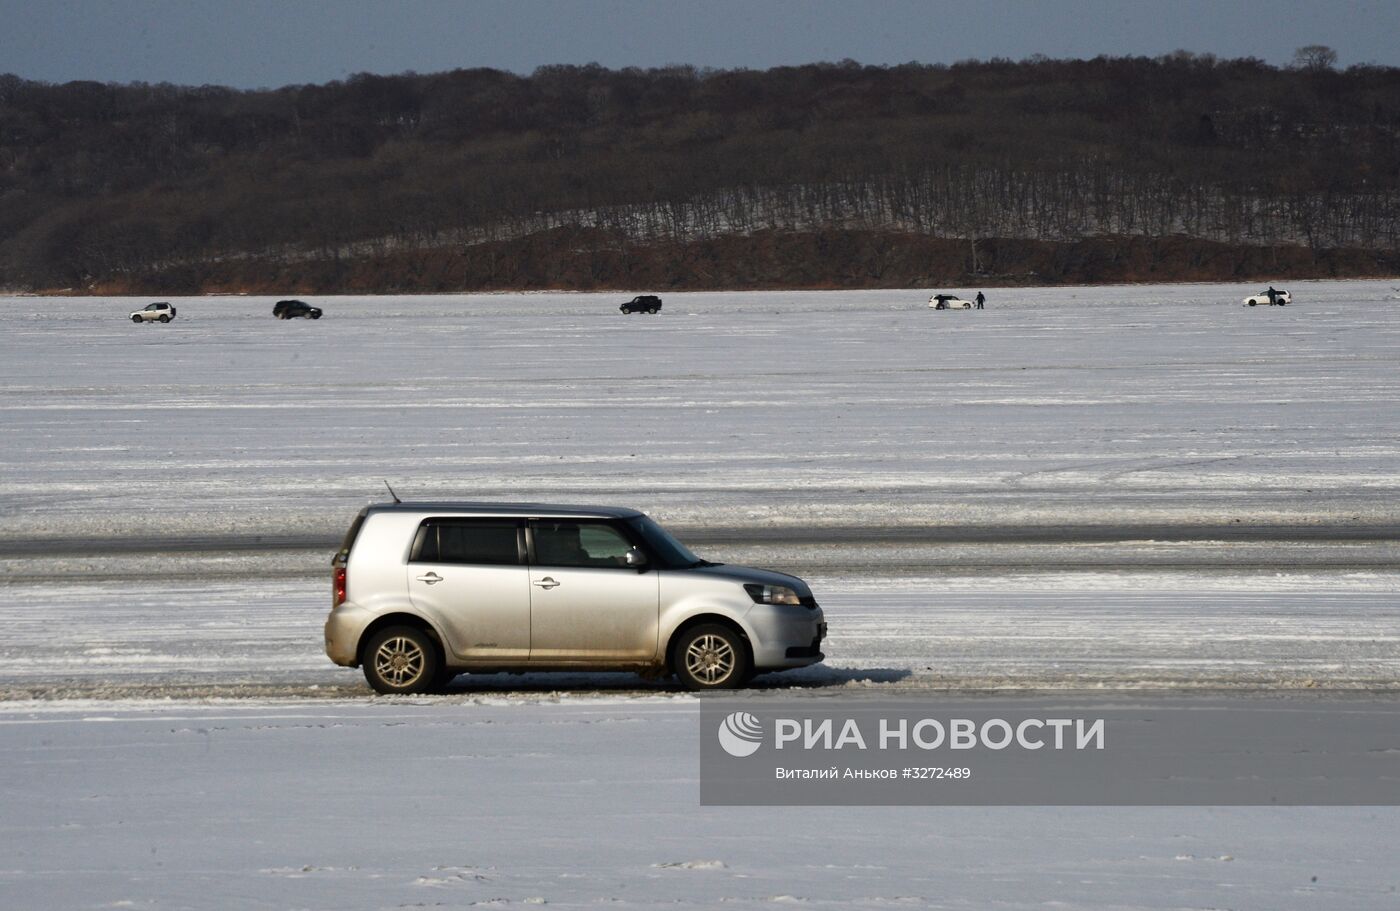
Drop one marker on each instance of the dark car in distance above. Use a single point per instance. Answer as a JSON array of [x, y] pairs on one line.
[[642, 303], [294, 308]]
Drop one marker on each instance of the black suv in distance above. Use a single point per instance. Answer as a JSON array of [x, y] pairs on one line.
[[642, 303], [293, 309]]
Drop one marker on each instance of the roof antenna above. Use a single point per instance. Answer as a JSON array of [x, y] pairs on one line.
[[392, 494]]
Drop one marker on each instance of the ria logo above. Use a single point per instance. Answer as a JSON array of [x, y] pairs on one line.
[[741, 734]]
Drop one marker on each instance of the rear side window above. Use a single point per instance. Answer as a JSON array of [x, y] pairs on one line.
[[480, 541], [350, 536]]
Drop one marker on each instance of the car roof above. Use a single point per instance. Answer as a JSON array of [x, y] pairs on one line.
[[528, 510]]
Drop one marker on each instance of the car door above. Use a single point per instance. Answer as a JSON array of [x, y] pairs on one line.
[[470, 575], [586, 603]]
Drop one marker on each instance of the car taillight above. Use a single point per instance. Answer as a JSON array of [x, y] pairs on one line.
[[339, 579]]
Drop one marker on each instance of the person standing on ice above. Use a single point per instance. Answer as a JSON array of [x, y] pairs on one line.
[[1273, 295], [981, 299]]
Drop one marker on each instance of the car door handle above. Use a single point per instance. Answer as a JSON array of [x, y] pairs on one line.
[[547, 583], [430, 578]]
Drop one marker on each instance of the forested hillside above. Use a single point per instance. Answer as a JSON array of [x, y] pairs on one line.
[[824, 175]]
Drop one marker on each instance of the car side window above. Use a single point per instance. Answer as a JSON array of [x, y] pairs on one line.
[[480, 542], [569, 543]]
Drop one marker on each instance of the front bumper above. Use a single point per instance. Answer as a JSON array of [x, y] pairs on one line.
[[786, 637], [814, 650]]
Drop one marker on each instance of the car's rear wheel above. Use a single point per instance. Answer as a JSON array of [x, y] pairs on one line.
[[402, 659], [653, 310], [711, 657], [164, 319]]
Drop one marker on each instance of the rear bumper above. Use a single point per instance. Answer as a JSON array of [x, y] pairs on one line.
[[344, 627]]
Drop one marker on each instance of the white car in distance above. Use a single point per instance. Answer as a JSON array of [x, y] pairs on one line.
[[160, 312], [948, 302], [1262, 299]]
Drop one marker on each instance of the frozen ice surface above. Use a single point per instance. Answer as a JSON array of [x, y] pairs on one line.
[[205, 468], [200, 639], [580, 805], [169, 495], [1165, 403]]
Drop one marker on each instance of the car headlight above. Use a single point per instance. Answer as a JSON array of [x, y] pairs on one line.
[[772, 594]]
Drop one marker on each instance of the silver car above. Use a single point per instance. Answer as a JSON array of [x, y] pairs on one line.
[[159, 312], [422, 592]]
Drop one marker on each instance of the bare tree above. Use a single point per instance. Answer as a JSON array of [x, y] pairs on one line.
[[1314, 57]]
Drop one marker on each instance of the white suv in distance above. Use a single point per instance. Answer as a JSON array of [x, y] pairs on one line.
[[158, 312], [422, 592], [948, 302], [1264, 299]]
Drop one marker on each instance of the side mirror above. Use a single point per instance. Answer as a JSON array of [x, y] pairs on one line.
[[636, 559]]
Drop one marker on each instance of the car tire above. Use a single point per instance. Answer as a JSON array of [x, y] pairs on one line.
[[652, 310], [164, 319], [711, 657], [136, 319], [314, 315], [1250, 302], [401, 660]]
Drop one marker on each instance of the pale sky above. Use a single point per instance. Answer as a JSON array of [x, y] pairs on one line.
[[266, 43]]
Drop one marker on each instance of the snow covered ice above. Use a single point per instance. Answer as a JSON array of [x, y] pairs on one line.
[[1122, 404], [404, 803], [1222, 479], [1111, 487]]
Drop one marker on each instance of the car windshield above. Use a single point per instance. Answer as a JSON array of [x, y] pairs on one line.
[[667, 549]]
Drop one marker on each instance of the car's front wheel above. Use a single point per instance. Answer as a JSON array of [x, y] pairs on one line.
[[402, 659], [315, 314], [136, 319], [711, 657]]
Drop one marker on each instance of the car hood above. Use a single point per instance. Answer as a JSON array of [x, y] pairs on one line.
[[742, 574]]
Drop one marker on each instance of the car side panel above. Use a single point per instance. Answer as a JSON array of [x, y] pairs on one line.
[[592, 613], [483, 610]]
